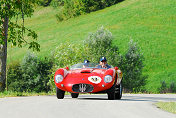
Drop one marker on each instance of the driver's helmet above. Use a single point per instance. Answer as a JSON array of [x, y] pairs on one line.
[[86, 62], [103, 59]]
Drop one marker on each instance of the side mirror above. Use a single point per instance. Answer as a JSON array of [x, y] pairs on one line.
[[116, 68], [67, 68]]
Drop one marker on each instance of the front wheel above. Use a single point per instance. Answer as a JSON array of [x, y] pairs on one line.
[[74, 95], [118, 91], [60, 93], [111, 93]]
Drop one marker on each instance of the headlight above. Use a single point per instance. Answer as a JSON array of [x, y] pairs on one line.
[[58, 78], [94, 79], [108, 78]]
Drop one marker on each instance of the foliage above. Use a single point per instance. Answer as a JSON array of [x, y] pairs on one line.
[[73, 8], [165, 88], [32, 74], [16, 9], [15, 93], [44, 3], [172, 87], [99, 44], [68, 54], [148, 25], [132, 65], [96, 45], [57, 3]]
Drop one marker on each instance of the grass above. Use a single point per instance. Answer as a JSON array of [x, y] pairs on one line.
[[167, 106], [150, 23], [15, 94]]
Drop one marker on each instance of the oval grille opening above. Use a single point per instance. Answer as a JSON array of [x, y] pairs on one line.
[[82, 88]]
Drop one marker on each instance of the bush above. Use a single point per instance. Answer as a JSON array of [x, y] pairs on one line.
[[73, 8], [70, 9], [44, 3], [100, 44], [14, 74], [96, 45], [68, 54], [32, 74], [163, 88], [167, 89], [173, 87], [131, 66]]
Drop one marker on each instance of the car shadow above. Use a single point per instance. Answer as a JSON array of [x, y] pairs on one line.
[[113, 100], [130, 98]]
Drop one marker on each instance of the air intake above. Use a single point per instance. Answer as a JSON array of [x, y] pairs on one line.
[[83, 88], [87, 71]]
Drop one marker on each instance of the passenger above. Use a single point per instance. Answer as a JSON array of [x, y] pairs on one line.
[[86, 63], [103, 63]]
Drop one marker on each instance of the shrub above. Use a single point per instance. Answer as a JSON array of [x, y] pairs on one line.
[[70, 9], [14, 74], [131, 66], [68, 54], [73, 8], [163, 88], [44, 3], [172, 87], [96, 45], [100, 44], [30, 75]]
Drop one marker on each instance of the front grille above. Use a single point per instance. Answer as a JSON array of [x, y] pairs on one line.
[[83, 88]]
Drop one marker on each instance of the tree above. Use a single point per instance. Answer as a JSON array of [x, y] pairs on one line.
[[11, 31], [132, 66]]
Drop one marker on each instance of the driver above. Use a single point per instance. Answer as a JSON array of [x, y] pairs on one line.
[[103, 63], [86, 63]]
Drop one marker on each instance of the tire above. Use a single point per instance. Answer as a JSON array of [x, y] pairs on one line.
[[111, 93], [74, 95], [118, 91], [60, 93]]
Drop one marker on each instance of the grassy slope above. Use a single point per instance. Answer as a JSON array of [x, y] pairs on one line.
[[151, 23]]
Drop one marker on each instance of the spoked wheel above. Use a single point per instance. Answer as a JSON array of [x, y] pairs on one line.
[[118, 91], [74, 95], [60, 93]]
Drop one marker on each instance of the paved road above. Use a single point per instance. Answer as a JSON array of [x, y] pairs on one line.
[[86, 106]]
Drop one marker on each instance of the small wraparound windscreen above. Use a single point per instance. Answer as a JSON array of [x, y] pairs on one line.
[[86, 65]]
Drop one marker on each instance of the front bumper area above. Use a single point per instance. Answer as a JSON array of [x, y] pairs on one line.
[[84, 87]]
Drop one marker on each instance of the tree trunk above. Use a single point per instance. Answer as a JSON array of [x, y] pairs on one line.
[[3, 55]]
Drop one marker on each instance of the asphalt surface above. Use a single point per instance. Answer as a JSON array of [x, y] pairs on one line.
[[86, 106]]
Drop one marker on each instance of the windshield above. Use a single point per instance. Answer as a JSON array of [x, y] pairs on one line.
[[86, 65]]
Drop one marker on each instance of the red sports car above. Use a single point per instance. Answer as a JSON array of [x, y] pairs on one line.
[[89, 79]]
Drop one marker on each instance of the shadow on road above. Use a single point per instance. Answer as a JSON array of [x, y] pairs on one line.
[[131, 98]]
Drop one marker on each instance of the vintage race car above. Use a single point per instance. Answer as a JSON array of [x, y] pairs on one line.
[[90, 79]]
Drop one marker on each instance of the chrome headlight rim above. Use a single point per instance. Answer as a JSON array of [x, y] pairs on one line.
[[108, 79], [59, 78]]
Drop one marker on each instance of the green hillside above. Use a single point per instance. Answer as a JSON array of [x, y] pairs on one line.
[[150, 23]]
